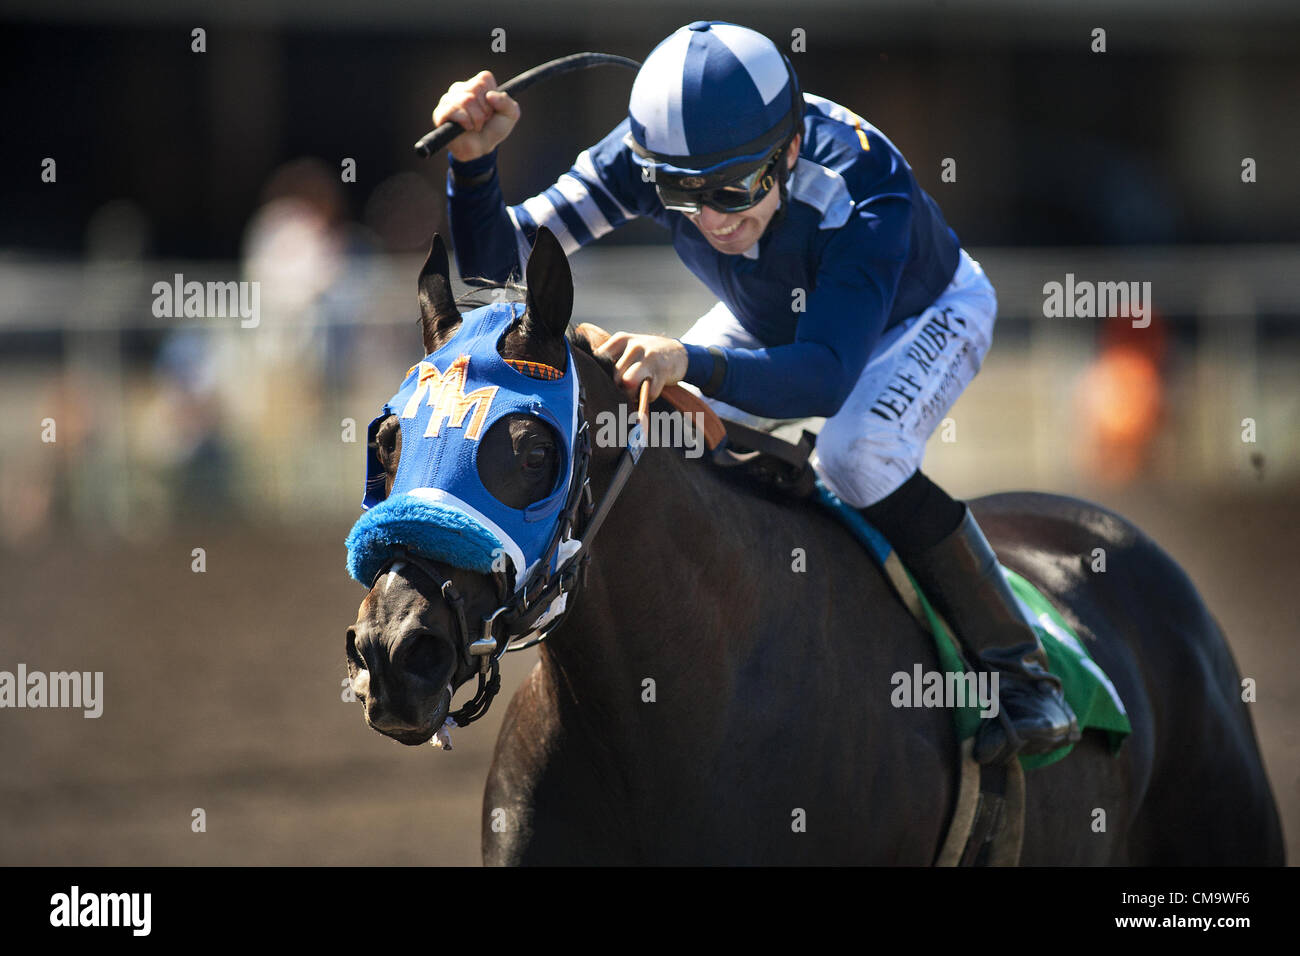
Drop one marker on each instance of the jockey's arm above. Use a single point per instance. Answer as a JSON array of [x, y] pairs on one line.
[[492, 240]]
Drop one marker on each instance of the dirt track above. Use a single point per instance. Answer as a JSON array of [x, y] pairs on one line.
[[226, 695]]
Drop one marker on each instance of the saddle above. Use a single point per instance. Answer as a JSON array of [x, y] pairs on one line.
[[766, 458]]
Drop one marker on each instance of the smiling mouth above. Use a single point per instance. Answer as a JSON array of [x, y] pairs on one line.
[[728, 232]]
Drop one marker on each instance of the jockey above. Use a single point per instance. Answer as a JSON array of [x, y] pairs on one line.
[[842, 293]]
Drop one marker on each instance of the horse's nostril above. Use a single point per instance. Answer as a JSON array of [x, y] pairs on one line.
[[354, 656], [428, 657]]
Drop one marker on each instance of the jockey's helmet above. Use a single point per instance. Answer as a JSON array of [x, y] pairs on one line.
[[714, 105]]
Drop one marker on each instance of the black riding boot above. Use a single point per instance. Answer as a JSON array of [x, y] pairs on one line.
[[960, 576]]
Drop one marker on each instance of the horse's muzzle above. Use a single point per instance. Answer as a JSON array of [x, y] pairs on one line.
[[406, 694]]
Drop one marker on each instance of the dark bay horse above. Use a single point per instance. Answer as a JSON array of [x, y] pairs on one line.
[[708, 701]]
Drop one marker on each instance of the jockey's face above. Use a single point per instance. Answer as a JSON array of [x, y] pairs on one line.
[[732, 233]]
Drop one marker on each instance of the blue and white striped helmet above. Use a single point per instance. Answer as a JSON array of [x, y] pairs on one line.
[[712, 101]]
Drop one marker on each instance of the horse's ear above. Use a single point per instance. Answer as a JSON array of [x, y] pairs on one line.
[[550, 286], [437, 305]]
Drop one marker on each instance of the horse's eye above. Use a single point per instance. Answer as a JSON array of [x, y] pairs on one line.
[[535, 459], [387, 438]]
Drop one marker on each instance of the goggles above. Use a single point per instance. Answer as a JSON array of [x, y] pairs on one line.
[[737, 196]]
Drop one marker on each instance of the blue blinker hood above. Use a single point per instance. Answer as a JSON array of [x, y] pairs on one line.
[[439, 507]]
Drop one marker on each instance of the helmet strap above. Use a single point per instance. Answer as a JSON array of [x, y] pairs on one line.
[[782, 176]]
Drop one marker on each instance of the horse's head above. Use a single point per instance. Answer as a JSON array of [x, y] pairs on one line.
[[471, 471]]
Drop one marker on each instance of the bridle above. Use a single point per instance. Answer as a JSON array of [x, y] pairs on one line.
[[513, 625]]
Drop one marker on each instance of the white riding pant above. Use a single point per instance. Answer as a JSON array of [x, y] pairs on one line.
[[877, 439]]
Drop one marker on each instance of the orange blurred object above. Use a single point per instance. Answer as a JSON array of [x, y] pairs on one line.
[[1121, 400]]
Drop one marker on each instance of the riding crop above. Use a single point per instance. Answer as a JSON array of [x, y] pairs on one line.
[[435, 140]]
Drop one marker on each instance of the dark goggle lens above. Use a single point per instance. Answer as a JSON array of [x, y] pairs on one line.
[[734, 197]]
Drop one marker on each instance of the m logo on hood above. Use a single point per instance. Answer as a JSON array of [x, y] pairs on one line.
[[444, 392]]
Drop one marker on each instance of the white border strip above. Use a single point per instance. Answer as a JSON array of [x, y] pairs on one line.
[[438, 496]]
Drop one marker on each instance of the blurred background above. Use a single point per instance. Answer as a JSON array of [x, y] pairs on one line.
[[128, 439]]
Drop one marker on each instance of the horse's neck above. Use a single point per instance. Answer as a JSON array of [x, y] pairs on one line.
[[655, 621], [687, 574]]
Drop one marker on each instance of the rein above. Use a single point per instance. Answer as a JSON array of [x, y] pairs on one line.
[[513, 625]]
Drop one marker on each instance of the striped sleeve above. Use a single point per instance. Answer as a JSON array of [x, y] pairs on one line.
[[600, 192], [582, 206]]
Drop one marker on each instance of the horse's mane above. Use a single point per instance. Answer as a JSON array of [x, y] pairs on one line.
[[580, 342], [487, 291]]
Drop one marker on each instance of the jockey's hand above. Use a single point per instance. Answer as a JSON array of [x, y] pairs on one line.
[[660, 360], [487, 114]]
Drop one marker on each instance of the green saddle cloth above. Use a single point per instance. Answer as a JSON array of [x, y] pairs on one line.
[[1088, 690]]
